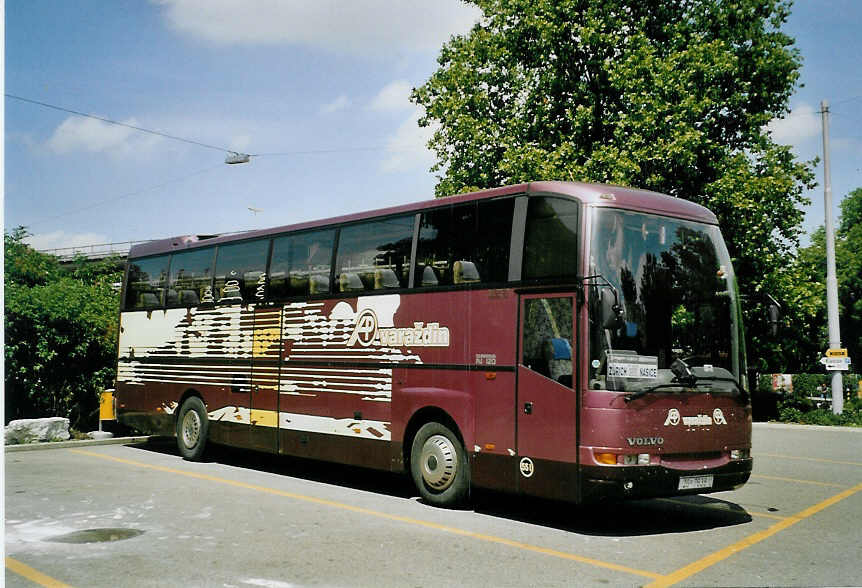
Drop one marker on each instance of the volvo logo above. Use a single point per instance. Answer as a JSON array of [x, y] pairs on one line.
[[641, 441]]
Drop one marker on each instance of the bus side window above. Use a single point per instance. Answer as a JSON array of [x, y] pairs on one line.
[[240, 272], [191, 277], [375, 255], [551, 239], [300, 264], [465, 244], [146, 283]]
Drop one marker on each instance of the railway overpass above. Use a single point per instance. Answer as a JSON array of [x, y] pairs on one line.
[[92, 252]]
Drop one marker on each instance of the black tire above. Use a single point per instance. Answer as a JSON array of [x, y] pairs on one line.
[[439, 466], [192, 428]]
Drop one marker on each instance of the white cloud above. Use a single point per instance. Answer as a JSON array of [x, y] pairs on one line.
[[61, 239], [407, 148], [802, 124], [77, 133], [393, 96], [375, 27], [339, 103]]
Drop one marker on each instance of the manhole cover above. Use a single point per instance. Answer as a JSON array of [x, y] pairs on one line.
[[95, 536]]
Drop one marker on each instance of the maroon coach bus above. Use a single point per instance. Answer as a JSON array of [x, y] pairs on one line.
[[564, 340]]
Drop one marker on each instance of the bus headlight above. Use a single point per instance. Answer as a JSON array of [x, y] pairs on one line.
[[739, 453]]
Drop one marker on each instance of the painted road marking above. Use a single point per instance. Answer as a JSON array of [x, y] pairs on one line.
[[821, 459], [382, 515], [722, 554], [33, 575], [798, 481]]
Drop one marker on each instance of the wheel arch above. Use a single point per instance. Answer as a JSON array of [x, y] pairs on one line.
[[185, 396], [427, 414]]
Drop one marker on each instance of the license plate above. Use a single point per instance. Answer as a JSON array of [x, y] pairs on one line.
[[695, 482]]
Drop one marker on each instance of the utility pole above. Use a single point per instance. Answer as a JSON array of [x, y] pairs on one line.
[[831, 278]]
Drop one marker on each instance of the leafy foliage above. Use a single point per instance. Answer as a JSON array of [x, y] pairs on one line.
[[61, 332], [811, 267], [807, 403], [665, 95]]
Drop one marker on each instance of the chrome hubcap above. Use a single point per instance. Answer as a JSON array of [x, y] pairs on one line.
[[191, 429], [439, 462]]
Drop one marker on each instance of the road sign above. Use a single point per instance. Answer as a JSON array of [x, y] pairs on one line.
[[833, 364], [836, 353]]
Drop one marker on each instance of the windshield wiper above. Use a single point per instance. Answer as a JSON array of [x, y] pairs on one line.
[[688, 381]]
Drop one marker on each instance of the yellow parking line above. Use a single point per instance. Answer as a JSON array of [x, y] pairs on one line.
[[722, 554], [34, 576], [820, 459], [382, 515], [798, 481], [766, 515]]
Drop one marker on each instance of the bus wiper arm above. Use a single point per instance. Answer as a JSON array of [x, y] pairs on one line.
[[688, 382], [645, 391]]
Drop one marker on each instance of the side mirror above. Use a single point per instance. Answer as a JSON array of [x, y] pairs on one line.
[[613, 315]]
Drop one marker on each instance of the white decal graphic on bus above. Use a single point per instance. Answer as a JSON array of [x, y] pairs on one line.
[[236, 347], [699, 420]]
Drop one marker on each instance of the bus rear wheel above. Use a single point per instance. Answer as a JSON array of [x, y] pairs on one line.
[[438, 464], [192, 427]]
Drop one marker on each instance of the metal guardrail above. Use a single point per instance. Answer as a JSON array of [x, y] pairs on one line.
[[98, 251]]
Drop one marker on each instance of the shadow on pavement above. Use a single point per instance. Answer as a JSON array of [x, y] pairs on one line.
[[683, 514]]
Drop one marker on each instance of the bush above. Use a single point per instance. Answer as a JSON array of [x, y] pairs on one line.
[[793, 410], [61, 331]]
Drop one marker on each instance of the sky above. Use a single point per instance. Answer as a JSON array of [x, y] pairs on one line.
[[316, 91]]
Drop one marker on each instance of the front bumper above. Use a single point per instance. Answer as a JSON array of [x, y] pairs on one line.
[[631, 482]]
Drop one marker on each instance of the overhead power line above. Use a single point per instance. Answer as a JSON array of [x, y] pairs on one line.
[[234, 156], [122, 124]]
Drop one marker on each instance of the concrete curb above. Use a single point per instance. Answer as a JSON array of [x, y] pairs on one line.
[[68, 444], [800, 427]]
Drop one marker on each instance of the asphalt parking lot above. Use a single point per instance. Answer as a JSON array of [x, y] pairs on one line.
[[138, 515]]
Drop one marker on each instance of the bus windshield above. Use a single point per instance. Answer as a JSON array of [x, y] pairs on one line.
[[664, 312]]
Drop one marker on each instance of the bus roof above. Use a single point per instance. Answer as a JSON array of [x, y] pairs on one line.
[[591, 194]]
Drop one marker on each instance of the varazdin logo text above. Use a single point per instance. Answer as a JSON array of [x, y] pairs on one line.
[[700, 420], [367, 333]]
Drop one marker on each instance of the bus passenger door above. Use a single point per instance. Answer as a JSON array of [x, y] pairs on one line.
[[265, 363], [546, 400]]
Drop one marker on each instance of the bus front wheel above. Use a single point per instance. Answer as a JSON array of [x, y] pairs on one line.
[[192, 427], [439, 466]]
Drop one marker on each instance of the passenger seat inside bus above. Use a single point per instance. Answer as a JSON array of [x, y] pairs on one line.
[[465, 272], [148, 300], [318, 284], [385, 278], [558, 352], [429, 277], [188, 298], [350, 282]]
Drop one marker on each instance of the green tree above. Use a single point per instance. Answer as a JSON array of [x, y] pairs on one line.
[[60, 333], [660, 94], [848, 253], [811, 266]]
